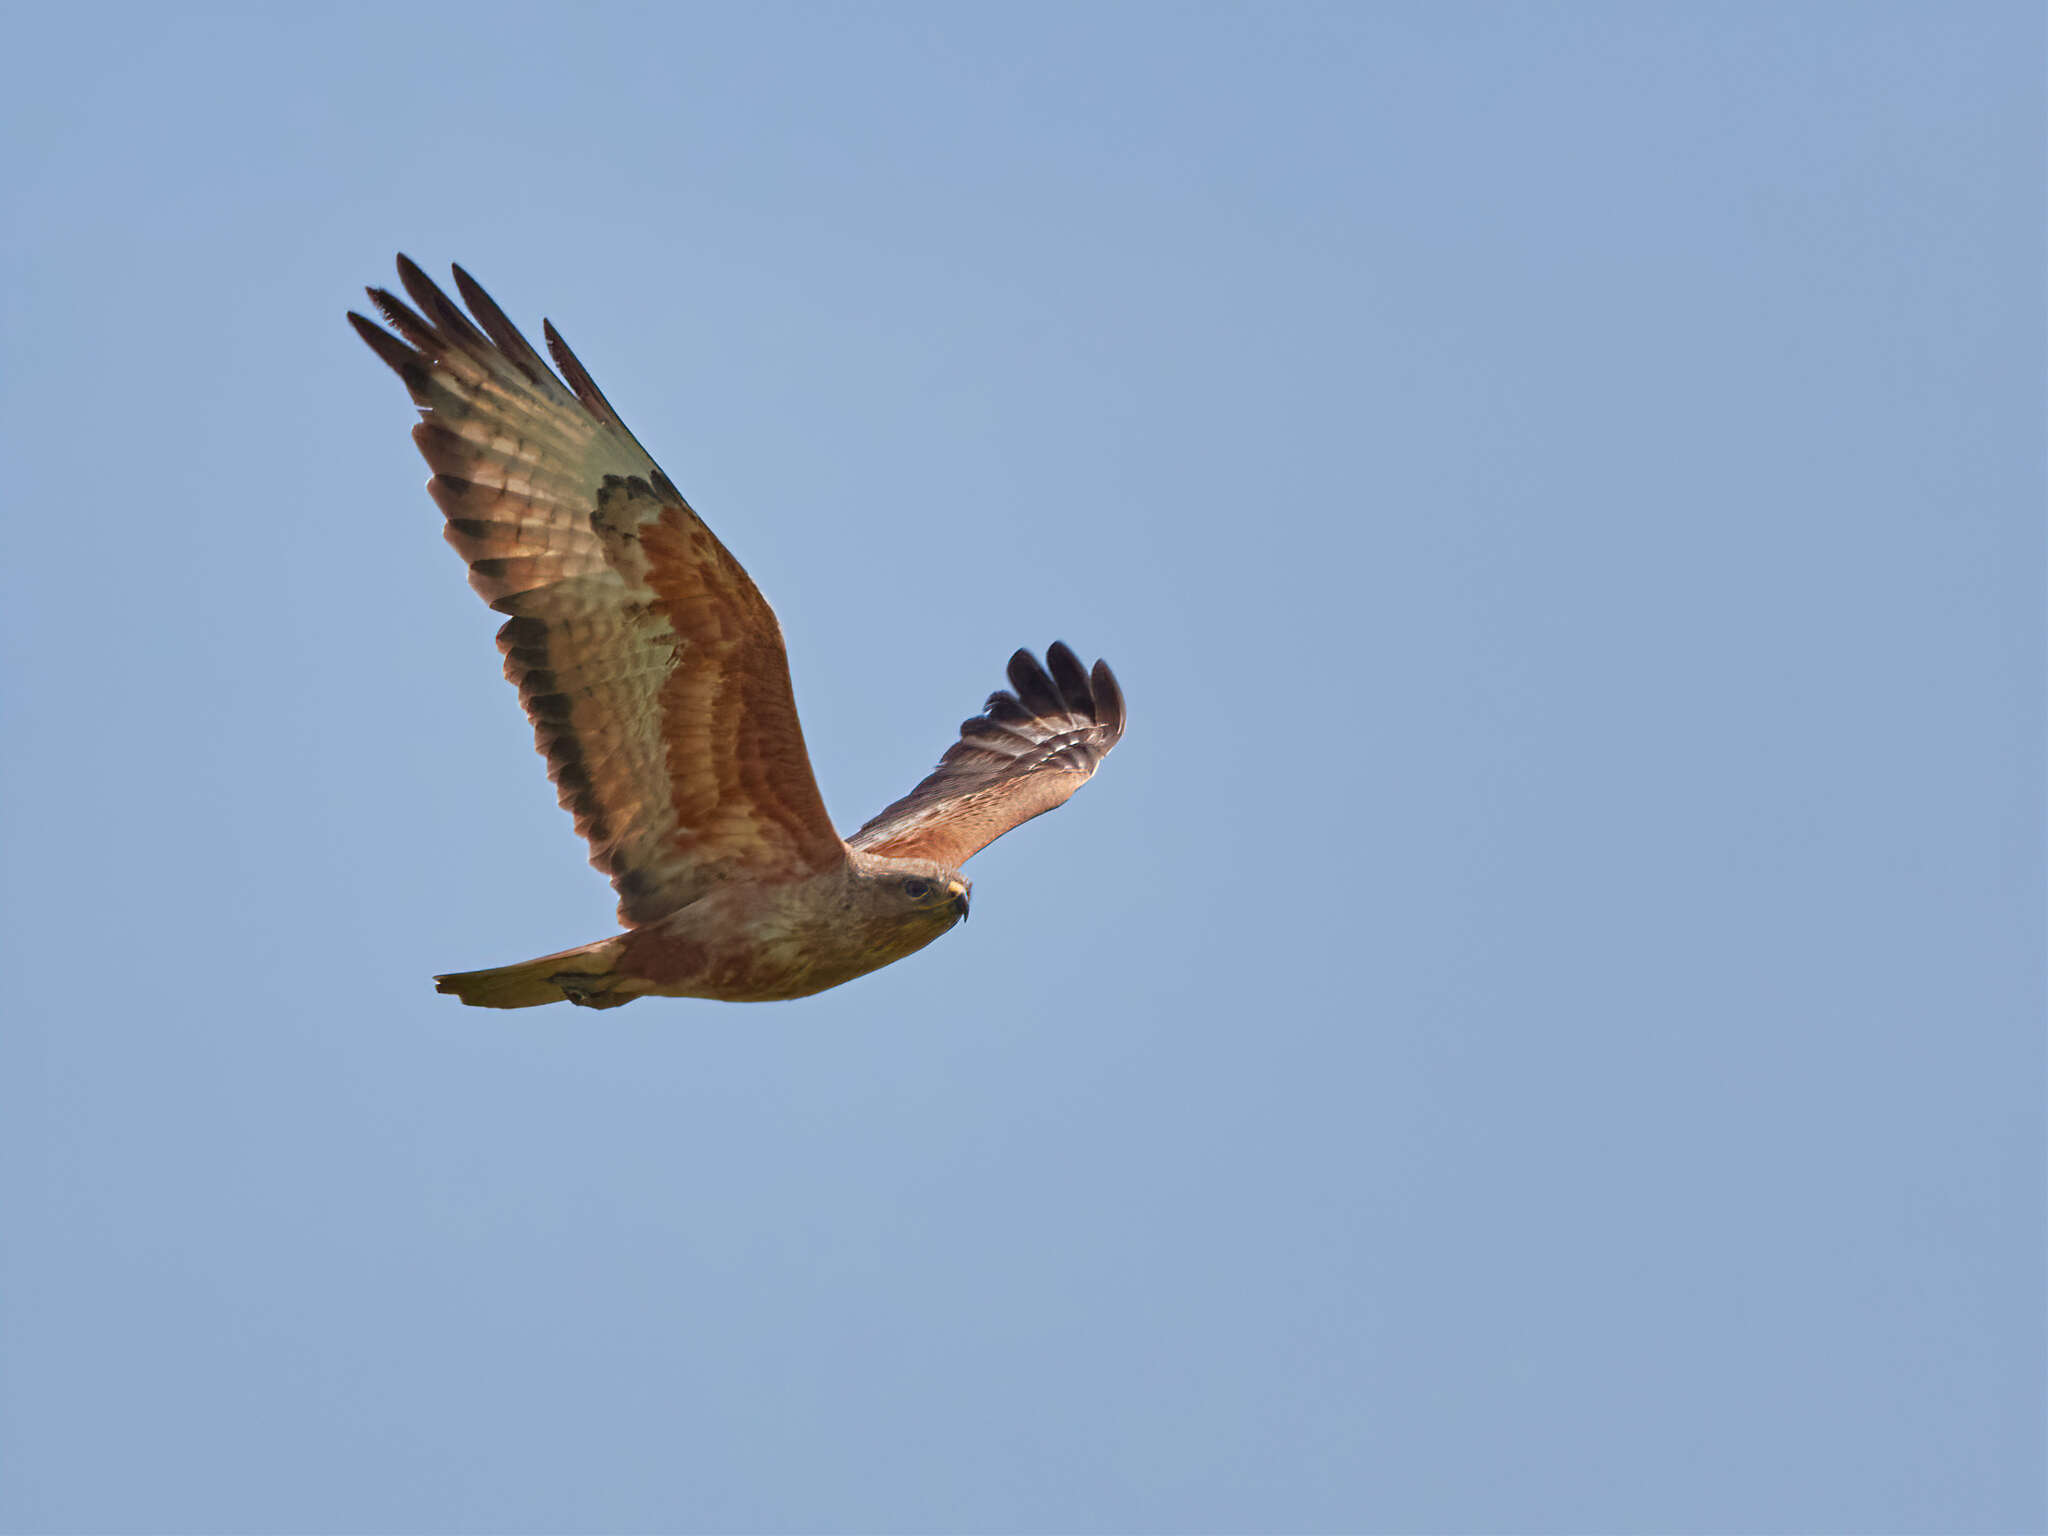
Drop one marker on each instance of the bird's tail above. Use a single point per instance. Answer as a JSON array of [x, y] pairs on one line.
[[585, 975]]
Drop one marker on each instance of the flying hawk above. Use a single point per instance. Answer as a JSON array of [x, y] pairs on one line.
[[656, 681]]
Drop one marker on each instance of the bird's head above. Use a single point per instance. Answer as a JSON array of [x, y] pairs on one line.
[[912, 896]]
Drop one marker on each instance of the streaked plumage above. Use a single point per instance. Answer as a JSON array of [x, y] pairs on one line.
[[655, 677]]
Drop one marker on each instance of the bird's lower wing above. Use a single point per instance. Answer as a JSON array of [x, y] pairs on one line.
[[1025, 754]]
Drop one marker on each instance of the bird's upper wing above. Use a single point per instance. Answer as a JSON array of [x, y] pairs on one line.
[[1024, 754], [652, 669]]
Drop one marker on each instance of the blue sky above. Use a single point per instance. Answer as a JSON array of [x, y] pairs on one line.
[[1537, 1028]]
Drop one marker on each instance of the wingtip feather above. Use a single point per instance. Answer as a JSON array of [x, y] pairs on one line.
[[580, 382], [396, 355], [499, 327], [1109, 700], [1070, 678]]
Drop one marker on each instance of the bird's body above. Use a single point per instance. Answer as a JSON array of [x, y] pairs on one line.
[[655, 677], [746, 942]]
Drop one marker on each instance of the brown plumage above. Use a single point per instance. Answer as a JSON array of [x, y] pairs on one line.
[[655, 677]]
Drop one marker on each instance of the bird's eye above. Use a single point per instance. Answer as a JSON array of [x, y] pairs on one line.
[[917, 889]]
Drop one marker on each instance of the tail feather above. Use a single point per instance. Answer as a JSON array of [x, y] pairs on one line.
[[583, 975]]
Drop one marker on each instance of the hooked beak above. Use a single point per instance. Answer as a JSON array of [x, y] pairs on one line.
[[958, 891]]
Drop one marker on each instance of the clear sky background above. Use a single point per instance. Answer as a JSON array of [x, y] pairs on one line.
[[1538, 1028]]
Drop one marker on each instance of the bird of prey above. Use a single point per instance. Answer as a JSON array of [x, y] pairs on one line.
[[655, 677]]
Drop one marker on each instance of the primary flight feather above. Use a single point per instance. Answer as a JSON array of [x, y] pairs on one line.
[[655, 677]]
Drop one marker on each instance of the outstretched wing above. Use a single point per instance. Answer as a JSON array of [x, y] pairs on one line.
[[652, 669], [1024, 754]]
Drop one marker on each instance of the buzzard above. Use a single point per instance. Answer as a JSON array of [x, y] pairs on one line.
[[655, 677]]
